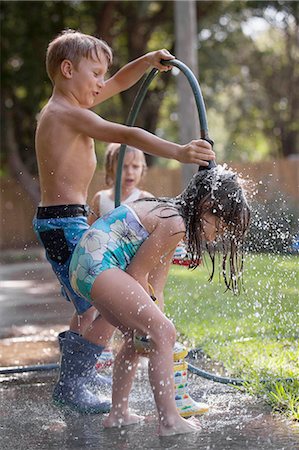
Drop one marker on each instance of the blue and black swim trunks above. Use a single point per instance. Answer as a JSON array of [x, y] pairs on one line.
[[59, 229]]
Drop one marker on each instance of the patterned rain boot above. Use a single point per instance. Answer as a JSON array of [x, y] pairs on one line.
[[185, 404], [78, 376], [105, 360]]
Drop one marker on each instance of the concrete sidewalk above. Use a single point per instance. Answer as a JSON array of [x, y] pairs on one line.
[[31, 315]]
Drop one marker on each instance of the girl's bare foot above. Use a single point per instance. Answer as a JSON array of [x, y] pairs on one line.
[[118, 420], [180, 426]]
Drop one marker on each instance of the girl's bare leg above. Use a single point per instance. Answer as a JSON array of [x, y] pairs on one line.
[[162, 382], [99, 332], [124, 370], [117, 294]]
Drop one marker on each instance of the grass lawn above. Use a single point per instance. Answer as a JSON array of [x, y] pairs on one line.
[[255, 334]]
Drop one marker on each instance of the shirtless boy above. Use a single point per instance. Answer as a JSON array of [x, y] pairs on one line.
[[66, 129]]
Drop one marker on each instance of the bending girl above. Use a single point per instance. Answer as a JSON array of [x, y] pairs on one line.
[[110, 268]]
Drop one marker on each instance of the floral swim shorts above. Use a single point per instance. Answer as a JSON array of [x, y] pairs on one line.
[[111, 242]]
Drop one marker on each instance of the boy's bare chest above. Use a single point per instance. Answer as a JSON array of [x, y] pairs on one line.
[[84, 152], [86, 143]]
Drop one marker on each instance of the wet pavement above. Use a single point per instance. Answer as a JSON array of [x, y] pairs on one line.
[[31, 315]]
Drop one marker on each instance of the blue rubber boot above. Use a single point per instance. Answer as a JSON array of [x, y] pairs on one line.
[[94, 380], [78, 375]]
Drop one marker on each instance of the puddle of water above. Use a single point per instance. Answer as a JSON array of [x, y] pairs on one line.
[[29, 420]]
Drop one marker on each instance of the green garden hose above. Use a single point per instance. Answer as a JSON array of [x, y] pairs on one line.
[[200, 105]]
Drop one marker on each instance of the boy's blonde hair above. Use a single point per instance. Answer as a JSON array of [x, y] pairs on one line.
[[111, 157], [74, 46]]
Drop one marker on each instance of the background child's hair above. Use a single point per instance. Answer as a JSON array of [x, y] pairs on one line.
[[111, 158], [74, 46]]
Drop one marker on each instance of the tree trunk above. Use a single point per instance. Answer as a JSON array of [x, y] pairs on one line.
[[186, 51], [16, 166]]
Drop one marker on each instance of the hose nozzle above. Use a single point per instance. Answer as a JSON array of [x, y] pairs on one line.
[[212, 163]]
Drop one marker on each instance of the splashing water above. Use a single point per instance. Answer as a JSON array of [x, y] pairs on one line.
[[274, 226]]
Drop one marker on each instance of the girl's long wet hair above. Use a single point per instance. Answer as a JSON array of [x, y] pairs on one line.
[[220, 192]]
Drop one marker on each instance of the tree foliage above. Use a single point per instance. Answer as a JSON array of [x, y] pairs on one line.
[[248, 59]]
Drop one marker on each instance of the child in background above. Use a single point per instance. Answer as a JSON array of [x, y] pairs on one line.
[[134, 168], [110, 267]]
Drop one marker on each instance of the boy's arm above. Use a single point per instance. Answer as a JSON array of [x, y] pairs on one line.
[[128, 75], [88, 123]]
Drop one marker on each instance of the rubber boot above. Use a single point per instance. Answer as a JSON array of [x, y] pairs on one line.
[[105, 360], [185, 404], [78, 375]]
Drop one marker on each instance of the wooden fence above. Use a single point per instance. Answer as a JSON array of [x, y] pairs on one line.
[[17, 210]]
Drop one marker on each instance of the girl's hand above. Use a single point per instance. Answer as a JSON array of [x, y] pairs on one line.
[[154, 59]]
